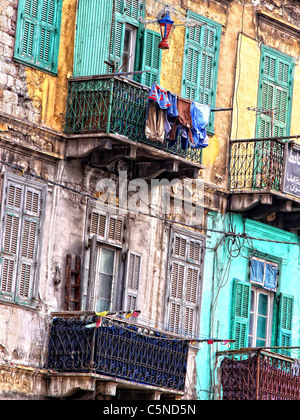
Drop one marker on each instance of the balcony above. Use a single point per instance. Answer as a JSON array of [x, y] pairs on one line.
[[105, 124], [119, 352], [255, 374], [265, 181]]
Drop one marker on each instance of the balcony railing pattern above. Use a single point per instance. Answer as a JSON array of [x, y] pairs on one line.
[[107, 104], [117, 349], [257, 164], [258, 375]]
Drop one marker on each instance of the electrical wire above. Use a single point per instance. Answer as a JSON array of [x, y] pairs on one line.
[[164, 219]]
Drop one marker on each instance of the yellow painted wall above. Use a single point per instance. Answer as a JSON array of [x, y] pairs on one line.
[[246, 88], [49, 93]]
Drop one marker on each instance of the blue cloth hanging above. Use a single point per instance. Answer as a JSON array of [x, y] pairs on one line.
[[200, 117]]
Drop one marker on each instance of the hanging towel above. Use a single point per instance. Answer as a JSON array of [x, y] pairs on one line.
[[200, 118], [160, 96], [184, 118]]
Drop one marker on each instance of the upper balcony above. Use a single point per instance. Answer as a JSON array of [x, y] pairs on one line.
[[105, 124], [256, 374], [265, 180], [119, 352]]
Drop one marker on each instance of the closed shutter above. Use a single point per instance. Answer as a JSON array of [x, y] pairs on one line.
[[185, 280], [275, 94], [286, 308], [133, 281], [28, 32], [38, 33], [107, 227], [151, 60], [192, 281], [240, 313], [21, 226], [200, 68], [46, 44]]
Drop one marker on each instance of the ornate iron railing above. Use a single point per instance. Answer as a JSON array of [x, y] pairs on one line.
[[257, 164], [110, 104], [117, 349], [255, 374]]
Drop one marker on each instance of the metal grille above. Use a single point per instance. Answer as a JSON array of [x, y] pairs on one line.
[[117, 349], [257, 164], [258, 375], [114, 105]]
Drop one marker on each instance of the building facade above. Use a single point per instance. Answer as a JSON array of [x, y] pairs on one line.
[[101, 216]]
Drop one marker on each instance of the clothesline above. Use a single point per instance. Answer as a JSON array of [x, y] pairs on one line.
[[141, 330]]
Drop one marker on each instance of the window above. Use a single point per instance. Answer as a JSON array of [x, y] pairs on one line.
[[116, 37], [22, 208], [185, 283], [275, 94], [200, 67], [100, 291], [38, 33], [105, 274], [260, 324], [259, 319]]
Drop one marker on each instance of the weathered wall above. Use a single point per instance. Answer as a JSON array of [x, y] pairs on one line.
[[29, 93], [220, 271]]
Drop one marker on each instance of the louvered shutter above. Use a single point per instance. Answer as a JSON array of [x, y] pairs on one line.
[[38, 32], [191, 295], [176, 297], [47, 33], [28, 32], [151, 60], [286, 308], [10, 239], [275, 93], [200, 68], [21, 226], [28, 245], [107, 228], [240, 313], [133, 281]]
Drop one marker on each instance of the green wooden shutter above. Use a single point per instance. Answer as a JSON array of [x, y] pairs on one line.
[[200, 67], [93, 30], [133, 280], [151, 59], [241, 313], [275, 93], [27, 29], [38, 33], [286, 308]]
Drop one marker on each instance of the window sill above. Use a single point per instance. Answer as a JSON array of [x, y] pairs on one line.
[[16, 305], [36, 67]]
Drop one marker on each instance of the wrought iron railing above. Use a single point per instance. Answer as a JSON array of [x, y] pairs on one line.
[[257, 164], [255, 374], [117, 349], [110, 104]]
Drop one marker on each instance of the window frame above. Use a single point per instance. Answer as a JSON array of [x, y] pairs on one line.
[[275, 83], [35, 62], [217, 28], [257, 291], [25, 215], [184, 327]]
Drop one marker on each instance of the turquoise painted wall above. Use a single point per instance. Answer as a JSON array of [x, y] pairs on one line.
[[219, 273]]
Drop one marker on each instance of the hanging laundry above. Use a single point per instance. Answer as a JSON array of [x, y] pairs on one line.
[[200, 118], [184, 120], [155, 125], [160, 96]]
